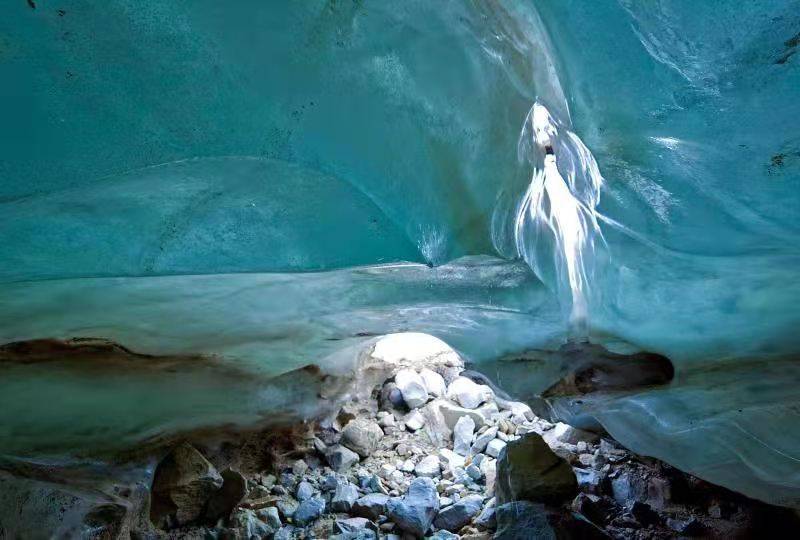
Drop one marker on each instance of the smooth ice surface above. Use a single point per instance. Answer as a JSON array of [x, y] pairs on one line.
[[238, 178], [257, 325]]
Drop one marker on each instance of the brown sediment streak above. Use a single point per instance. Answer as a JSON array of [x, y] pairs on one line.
[[595, 369], [42, 350], [99, 354]]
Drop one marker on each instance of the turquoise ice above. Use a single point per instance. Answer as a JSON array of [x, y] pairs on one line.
[[254, 179]]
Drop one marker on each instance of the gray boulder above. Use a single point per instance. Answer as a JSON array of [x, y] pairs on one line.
[[414, 512], [523, 520], [454, 517], [527, 470], [474, 472], [391, 397], [443, 535], [38, 509], [340, 458], [370, 506], [628, 487], [249, 525], [224, 500], [362, 436], [309, 510], [330, 481], [354, 529], [286, 532], [351, 525], [592, 481], [344, 497], [270, 516], [486, 519], [469, 395], [412, 387], [434, 383], [286, 506], [495, 447], [451, 413], [463, 435], [304, 491], [428, 466], [483, 440], [363, 534], [182, 485]]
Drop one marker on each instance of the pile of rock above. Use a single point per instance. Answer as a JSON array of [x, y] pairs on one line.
[[432, 453]]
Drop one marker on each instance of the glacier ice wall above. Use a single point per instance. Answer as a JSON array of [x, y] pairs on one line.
[[689, 109], [203, 177]]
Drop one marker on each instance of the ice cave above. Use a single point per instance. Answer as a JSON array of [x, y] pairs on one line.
[[362, 269]]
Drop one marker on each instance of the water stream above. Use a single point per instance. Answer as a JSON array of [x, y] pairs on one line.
[[555, 226]]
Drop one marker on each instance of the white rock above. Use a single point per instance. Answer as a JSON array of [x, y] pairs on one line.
[[468, 394], [451, 412], [414, 420], [482, 440], [566, 434], [489, 469], [413, 349], [386, 419], [495, 447], [386, 471], [488, 410], [449, 459], [429, 466], [412, 387], [436, 429], [434, 383], [463, 435], [445, 501], [518, 408], [407, 466]]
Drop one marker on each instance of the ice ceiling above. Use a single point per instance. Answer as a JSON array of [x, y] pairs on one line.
[[270, 181]]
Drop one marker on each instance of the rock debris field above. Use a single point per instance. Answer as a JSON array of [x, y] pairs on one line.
[[428, 452]]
